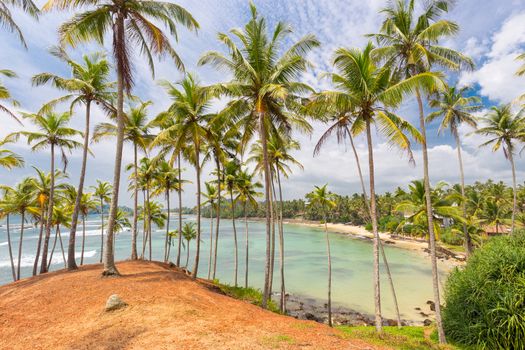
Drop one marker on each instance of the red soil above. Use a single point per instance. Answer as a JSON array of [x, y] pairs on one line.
[[167, 310]]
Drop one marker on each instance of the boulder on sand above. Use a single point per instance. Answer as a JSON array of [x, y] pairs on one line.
[[114, 303]]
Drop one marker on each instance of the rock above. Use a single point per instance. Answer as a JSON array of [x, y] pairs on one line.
[[417, 308], [423, 314], [389, 322], [390, 242], [427, 322], [432, 305], [114, 303], [310, 316]]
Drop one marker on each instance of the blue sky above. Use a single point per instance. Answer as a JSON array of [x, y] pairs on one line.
[[492, 33]]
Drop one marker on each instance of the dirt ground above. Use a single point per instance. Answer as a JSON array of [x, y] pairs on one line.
[[167, 310]]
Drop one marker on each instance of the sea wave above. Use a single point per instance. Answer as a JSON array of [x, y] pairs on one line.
[[4, 243], [28, 260]]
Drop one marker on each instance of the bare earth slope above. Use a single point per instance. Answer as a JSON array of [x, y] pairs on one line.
[[167, 310]]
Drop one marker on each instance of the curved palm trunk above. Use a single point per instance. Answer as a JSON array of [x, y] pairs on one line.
[[383, 254], [83, 239], [236, 250], [62, 247], [218, 216], [514, 193], [80, 189], [430, 218], [179, 194], [13, 271], [329, 271], [147, 221], [246, 262], [187, 253], [134, 225], [468, 240], [167, 225], [120, 45], [272, 219], [282, 303], [20, 245], [38, 247], [53, 249], [101, 228], [264, 143], [198, 248], [50, 205], [211, 241], [373, 214]]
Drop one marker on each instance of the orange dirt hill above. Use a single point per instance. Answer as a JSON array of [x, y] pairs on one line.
[[166, 310]]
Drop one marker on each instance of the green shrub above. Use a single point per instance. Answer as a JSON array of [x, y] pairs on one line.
[[249, 294], [448, 236], [485, 301], [368, 227]]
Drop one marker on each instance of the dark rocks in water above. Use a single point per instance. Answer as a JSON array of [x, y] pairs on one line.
[[432, 305], [427, 322], [114, 303], [417, 308], [390, 242], [310, 316], [423, 314]]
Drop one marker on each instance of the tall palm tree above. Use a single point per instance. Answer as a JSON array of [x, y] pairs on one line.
[[264, 89], [454, 109], [88, 84], [6, 18], [102, 191], [189, 108], [8, 158], [504, 128], [247, 195], [231, 177], [146, 174], [53, 131], [5, 211], [411, 43], [211, 195], [373, 91], [322, 197], [129, 22], [61, 217], [137, 132]]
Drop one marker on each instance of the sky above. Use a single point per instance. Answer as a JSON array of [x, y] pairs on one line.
[[492, 33]]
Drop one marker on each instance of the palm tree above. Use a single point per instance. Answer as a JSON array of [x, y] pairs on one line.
[[188, 233], [246, 195], [494, 213], [4, 92], [53, 131], [211, 195], [146, 174], [128, 22], [61, 217], [9, 159], [231, 173], [504, 128], [264, 89], [191, 102], [87, 203], [102, 191], [372, 91], [454, 109], [137, 132], [5, 211], [88, 84], [410, 43], [7, 21], [322, 197]]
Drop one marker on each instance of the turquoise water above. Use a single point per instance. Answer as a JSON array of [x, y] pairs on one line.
[[305, 262]]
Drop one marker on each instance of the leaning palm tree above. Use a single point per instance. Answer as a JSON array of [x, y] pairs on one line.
[[373, 91], [264, 89], [190, 107], [88, 84], [504, 128], [454, 109], [6, 18], [102, 191], [129, 23], [52, 131], [411, 44], [137, 132], [320, 196], [8, 158]]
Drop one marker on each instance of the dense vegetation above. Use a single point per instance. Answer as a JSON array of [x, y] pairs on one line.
[[485, 301], [251, 137]]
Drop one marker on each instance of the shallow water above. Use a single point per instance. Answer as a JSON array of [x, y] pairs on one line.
[[305, 262]]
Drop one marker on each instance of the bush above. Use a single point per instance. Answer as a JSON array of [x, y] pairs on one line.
[[448, 236], [485, 301]]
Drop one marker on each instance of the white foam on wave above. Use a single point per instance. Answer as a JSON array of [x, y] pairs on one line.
[[3, 243], [87, 254]]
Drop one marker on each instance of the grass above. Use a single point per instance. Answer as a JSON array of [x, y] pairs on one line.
[[274, 342], [404, 338], [251, 295]]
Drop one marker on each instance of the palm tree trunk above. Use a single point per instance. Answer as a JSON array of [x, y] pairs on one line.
[[134, 225], [236, 250], [101, 228], [329, 271], [187, 253], [514, 193], [218, 216], [10, 249], [198, 248], [80, 189], [50, 205], [246, 262], [262, 136], [383, 254], [179, 193], [272, 219], [144, 223], [150, 232], [62, 247], [430, 218], [83, 239], [119, 41], [373, 214], [281, 243], [211, 240], [52, 250], [468, 241], [147, 221], [38, 247], [20, 245], [167, 225]]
